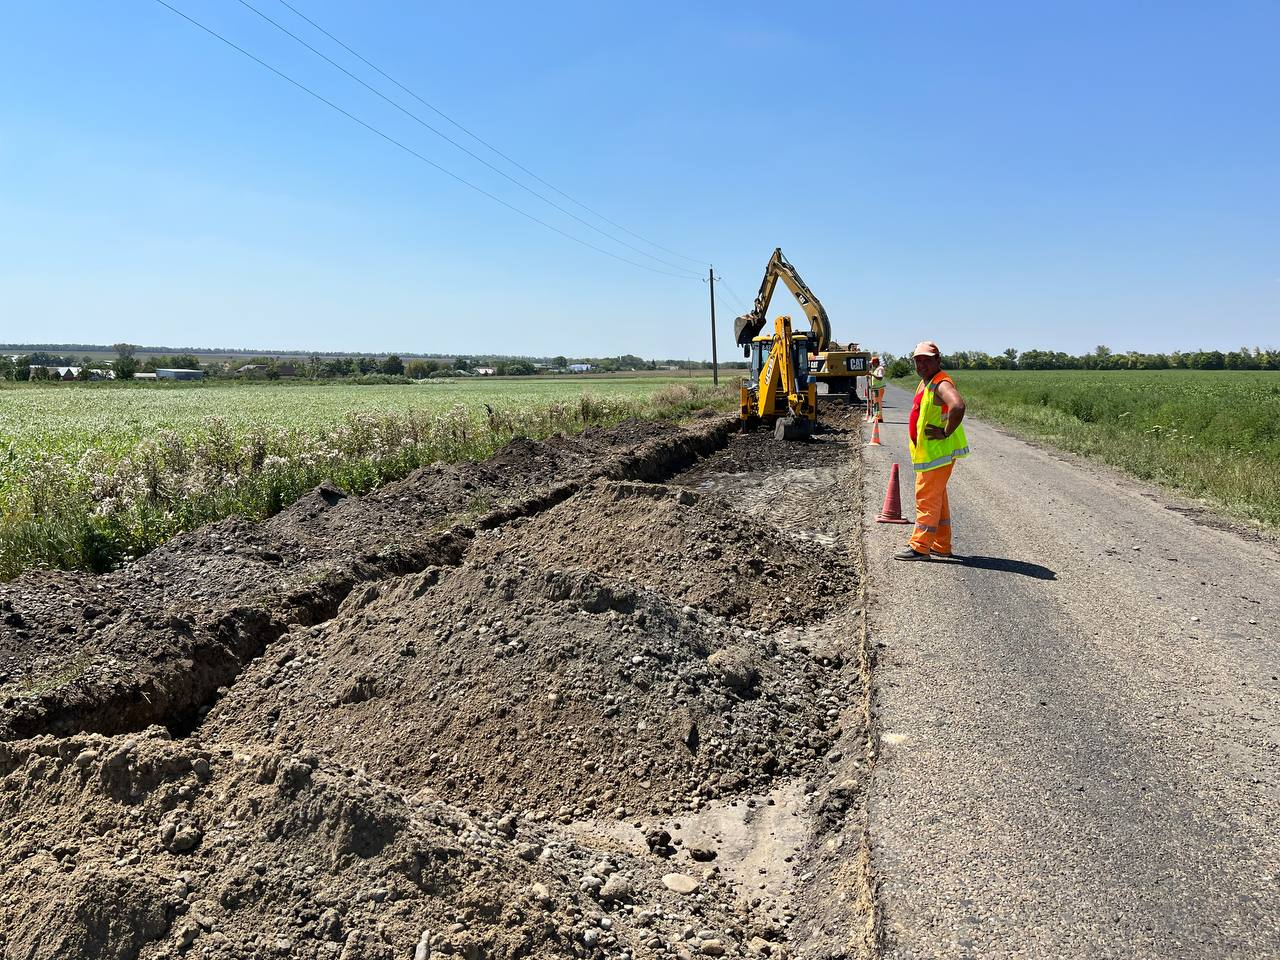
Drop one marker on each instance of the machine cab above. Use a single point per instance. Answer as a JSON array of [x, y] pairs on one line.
[[760, 348]]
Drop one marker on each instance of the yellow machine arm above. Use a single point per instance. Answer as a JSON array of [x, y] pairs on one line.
[[749, 325], [778, 378]]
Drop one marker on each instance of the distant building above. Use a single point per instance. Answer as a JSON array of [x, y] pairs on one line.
[[167, 374], [144, 375], [276, 368], [579, 368], [55, 373], [486, 371]]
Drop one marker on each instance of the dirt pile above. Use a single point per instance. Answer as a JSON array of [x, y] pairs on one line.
[[556, 693], [696, 550], [326, 523], [146, 847]]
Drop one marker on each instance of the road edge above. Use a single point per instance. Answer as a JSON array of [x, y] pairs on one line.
[[871, 941]]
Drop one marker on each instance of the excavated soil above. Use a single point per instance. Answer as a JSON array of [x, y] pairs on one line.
[[694, 549], [559, 690], [601, 696], [147, 847]]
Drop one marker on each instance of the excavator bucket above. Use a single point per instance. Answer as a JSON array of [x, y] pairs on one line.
[[792, 428], [747, 327]]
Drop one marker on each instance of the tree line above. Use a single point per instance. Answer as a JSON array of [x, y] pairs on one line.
[[1102, 358], [36, 364], [126, 364]]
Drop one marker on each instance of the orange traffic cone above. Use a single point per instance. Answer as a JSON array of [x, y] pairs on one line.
[[875, 436], [891, 512]]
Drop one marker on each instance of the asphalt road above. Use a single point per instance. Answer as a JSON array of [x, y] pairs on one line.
[[1079, 719]]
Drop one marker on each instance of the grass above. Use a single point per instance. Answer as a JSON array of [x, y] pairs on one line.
[[35, 683], [1213, 435], [94, 474]]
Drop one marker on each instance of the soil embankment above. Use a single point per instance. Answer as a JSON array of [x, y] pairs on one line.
[[600, 696]]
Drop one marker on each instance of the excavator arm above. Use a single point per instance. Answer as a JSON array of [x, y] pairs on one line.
[[749, 325]]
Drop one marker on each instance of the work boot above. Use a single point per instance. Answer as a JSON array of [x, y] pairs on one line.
[[909, 554]]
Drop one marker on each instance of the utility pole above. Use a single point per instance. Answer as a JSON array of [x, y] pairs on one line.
[[715, 362]]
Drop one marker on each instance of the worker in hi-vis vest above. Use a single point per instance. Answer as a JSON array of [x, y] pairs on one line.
[[877, 388], [937, 442]]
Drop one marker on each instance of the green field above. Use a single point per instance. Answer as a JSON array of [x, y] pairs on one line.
[[92, 474], [1214, 435]]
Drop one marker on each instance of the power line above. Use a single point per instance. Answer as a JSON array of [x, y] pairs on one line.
[[417, 119], [414, 153], [724, 283], [481, 140]]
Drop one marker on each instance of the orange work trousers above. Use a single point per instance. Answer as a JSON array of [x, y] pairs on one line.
[[933, 513]]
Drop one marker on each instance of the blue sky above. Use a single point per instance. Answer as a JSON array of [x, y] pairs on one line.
[[986, 175]]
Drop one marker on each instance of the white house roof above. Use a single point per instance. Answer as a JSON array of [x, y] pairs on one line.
[[60, 371]]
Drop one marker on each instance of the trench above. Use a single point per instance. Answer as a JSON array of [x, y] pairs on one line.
[[178, 693]]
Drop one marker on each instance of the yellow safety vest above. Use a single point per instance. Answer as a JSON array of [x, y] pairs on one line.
[[929, 454]]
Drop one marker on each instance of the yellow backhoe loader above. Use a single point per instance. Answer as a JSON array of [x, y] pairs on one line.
[[835, 369], [779, 392]]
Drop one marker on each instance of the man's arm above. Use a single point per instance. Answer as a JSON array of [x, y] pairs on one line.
[[955, 405], [949, 395]]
